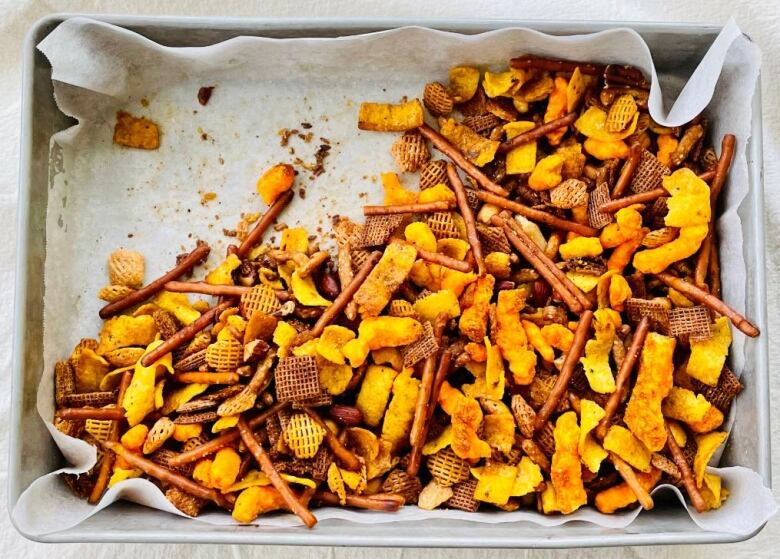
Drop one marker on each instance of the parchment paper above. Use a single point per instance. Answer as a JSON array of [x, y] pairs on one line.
[[103, 197]]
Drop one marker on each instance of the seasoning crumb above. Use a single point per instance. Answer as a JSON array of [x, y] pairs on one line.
[[206, 197], [306, 125], [144, 102], [204, 94], [302, 193]]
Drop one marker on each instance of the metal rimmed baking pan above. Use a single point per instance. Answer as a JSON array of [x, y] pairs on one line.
[[676, 49]]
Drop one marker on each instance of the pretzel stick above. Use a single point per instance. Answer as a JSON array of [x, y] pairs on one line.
[[614, 205], [468, 217], [205, 288], [707, 176], [228, 438], [685, 471], [621, 380], [444, 260], [567, 370], [709, 300], [419, 430], [197, 377], [570, 293], [536, 133], [721, 170], [114, 414], [185, 334], [267, 219], [537, 215], [443, 145], [341, 452], [184, 266], [315, 261], [714, 267], [628, 170], [347, 292], [267, 466], [167, 476], [528, 61], [418, 208], [107, 463], [629, 476], [385, 502]]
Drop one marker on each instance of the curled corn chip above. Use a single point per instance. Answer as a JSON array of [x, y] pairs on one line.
[[604, 150], [389, 331], [712, 491], [580, 247], [592, 123], [473, 320], [184, 433], [437, 193], [621, 495], [383, 117], [597, 351], [494, 372], [622, 442], [627, 226], [388, 356], [534, 335], [499, 424], [549, 502], [420, 235], [556, 108], [374, 393], [498, 264], [275, 181], [496, 84], [591, 453], [254, 501], [689, 201], [224, 423], [521, 159], [121, 474], [708, 356], [400, 411], [305, 292], [139, 397], [477, 149], [547, 173], [124, 331], [443, 440], [529, 477], [706, 445], [334, 378], [356, 352], [222, 274], [654, 381], [391, 270], [683, 405], [394, 192], [558, 336], [466, 419], [464, 81], [619, 292], [667, 144], [224, 469], [510, 336], [566, 472], [656, 260], [133, 438], [330, 344], [441, 302], [284, 335], [495, 482]]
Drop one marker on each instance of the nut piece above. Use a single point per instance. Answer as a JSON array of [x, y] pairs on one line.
[[348, 416], [126, 267]]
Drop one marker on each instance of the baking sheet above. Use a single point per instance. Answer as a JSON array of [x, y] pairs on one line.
[[152, 195]]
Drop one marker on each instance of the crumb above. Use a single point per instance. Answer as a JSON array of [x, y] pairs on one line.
[[206, 197], [302, 193], [129, 235], [204, 94], [324, 140], [204, 136], [285, 134], [144, 102], [307, 138], [363, 195], [221, 161], [230, 232], [280, 226], [305, 125]]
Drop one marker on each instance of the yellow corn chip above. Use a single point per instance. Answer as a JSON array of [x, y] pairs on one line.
[[622, 442], [565, 473], [706, 445], [708, 356]]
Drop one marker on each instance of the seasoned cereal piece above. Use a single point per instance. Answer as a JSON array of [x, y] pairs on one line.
[[136, 132]]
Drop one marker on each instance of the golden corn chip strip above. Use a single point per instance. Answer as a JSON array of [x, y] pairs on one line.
[[93, 399], [191, 362], [482, 124], [163, 457], [410, 152], [303, 436], [193, 418], [621, 113], [524, 415], [377, 231], [98, 428], [126, 267], [160, 432], [437, 99], [569, 194], [433, 172], [463, 496], [693, 322], [443, 225], [661, 462], [261, 298], [401, 483], [493, 239], [422, 348], [111, 293], [166, 323], [649, 173], [659, 237], [654, 310], [598, 197], [724, 393], [186, 503], [401, 308], [64, 381], [224, 355], [447, 468], [297, 379]]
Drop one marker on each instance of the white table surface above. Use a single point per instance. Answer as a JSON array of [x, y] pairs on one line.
[[759, 18]]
